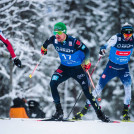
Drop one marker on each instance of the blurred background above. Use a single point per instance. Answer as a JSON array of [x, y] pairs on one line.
[[28, 23]]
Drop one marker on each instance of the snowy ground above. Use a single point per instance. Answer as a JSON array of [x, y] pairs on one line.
[[31, 126]]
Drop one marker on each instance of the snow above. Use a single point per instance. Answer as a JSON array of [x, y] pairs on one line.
[[32, 126]]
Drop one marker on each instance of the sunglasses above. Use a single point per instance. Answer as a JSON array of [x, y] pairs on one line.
[[57, 32], [127, 35]]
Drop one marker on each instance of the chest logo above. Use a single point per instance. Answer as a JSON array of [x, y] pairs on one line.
[[124, 46], [62, 49]]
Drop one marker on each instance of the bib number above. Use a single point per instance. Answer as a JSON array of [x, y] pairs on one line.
[[66, 56]]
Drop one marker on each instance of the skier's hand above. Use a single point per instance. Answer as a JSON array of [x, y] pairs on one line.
[[43, 51], [17, 62], [87, 65], [102, 51]]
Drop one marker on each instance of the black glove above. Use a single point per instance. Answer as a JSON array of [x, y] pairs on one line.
[[102, 51], [43, 50], [17, 62]]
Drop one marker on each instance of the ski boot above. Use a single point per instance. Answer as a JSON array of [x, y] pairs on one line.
[[58, 116], [82, 113], [125, 113], [102, 116]]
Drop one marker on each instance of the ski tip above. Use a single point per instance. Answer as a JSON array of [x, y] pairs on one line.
[[114, 121]]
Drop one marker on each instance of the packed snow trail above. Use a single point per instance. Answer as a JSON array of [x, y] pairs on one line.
[[32, 126]]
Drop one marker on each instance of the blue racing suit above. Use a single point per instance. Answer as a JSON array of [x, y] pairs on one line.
[[72, 53], [117, 65]]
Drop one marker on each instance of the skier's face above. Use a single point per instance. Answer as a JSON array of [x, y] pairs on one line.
[[60, 36]]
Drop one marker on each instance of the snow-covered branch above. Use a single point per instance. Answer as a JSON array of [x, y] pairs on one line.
[[6, 4]]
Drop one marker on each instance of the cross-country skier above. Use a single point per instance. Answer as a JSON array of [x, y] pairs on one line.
[[17, 62], [121, 46], [72, 53]]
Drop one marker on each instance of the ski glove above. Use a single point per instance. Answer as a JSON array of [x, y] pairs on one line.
[[87, 65], [43, 51], [17, 62], [102, 51]]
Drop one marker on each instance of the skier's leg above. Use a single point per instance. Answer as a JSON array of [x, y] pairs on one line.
[[84, 82], [106, 76], [126, 80], [81, 77], [58, 77], [59, 112]]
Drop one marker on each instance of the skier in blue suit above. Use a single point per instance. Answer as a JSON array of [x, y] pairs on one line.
[[72, 53], [121, 46]]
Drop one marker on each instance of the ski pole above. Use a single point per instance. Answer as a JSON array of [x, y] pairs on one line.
[[99, 99], [96, 65], [91, 79], [74, 105], [89, 75], [81, 91], [30, 76]]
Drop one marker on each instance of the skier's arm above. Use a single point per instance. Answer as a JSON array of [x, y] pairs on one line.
[[7, 44], [111, 42], [17, 62], [45, 45], [80, 46]]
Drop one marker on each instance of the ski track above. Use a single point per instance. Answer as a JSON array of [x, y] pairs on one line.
[[32, 126]]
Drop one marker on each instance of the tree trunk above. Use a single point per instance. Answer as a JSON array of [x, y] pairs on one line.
[[11, 75]]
